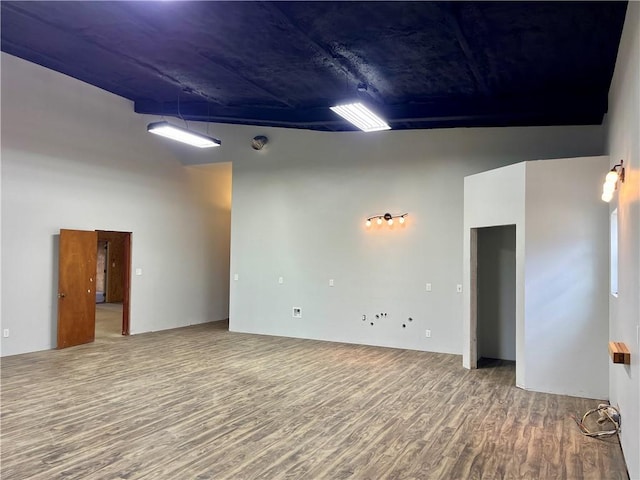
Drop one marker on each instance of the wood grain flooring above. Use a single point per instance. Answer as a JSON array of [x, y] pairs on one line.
[[204, 403], [108, 320]]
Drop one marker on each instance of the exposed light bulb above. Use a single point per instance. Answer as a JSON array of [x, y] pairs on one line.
[[368, 223], [608, 187], [390, 221], [607, 196], [401, 220], [379, 221], [612, 177]]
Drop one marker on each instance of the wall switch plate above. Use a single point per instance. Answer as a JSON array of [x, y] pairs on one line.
[[364, 317], [331, 282], [297, 312], [235, 277], [459, 288], [428, 287], [138, 271], [427, 333], [280, 280], [5, 333]]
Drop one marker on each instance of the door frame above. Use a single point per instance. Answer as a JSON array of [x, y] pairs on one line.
[[473, 300], [473, 291], [470, 312], [126, 298]]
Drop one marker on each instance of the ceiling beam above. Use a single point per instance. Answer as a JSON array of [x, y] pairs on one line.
[[561, 109], [339, 62]]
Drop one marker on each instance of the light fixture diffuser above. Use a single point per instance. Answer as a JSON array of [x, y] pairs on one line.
[[361, 117], [184, 135]]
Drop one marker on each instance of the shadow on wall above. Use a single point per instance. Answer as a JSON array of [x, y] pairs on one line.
[[54, 290]]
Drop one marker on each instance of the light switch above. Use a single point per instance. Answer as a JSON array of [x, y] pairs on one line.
[[280, 280], [138, 271], [235, 277], [459, 288], [428, 287], [331, 282]]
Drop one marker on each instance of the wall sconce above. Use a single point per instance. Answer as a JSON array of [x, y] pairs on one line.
[[387, 217], [611, 181]]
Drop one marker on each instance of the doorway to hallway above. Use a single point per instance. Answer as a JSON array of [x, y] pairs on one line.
[[112, 284], [77, 268]]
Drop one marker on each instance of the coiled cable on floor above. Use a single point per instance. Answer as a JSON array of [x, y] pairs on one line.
[[606, 413]]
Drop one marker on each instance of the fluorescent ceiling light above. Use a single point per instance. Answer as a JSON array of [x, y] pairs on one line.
[[184, 135], [361, 117]]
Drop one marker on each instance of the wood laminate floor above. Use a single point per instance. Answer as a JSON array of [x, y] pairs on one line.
[[108, 320], [203, 403]]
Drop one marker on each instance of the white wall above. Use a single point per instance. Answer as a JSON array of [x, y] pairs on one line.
[[299, 211], [77, 157], [566, 277], [486, 205], [623, 142], [561, 269]]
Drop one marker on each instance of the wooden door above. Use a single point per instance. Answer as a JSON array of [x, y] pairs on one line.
[[76, 287]]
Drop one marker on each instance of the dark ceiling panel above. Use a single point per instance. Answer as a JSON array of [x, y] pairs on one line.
[[425, 64], [545, 46]]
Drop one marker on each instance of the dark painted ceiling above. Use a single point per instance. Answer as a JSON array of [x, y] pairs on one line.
[[424, 64]]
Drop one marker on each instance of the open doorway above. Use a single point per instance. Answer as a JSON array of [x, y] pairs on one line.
[[101, 274], [77, 268], [493, 290], [112, 284]]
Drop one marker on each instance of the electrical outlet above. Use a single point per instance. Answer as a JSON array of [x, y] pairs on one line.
[[364, 317], [331, 282], [428, 333], [235, 277], [428, 287], [297, 312], [280, 280], [5, 333]]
